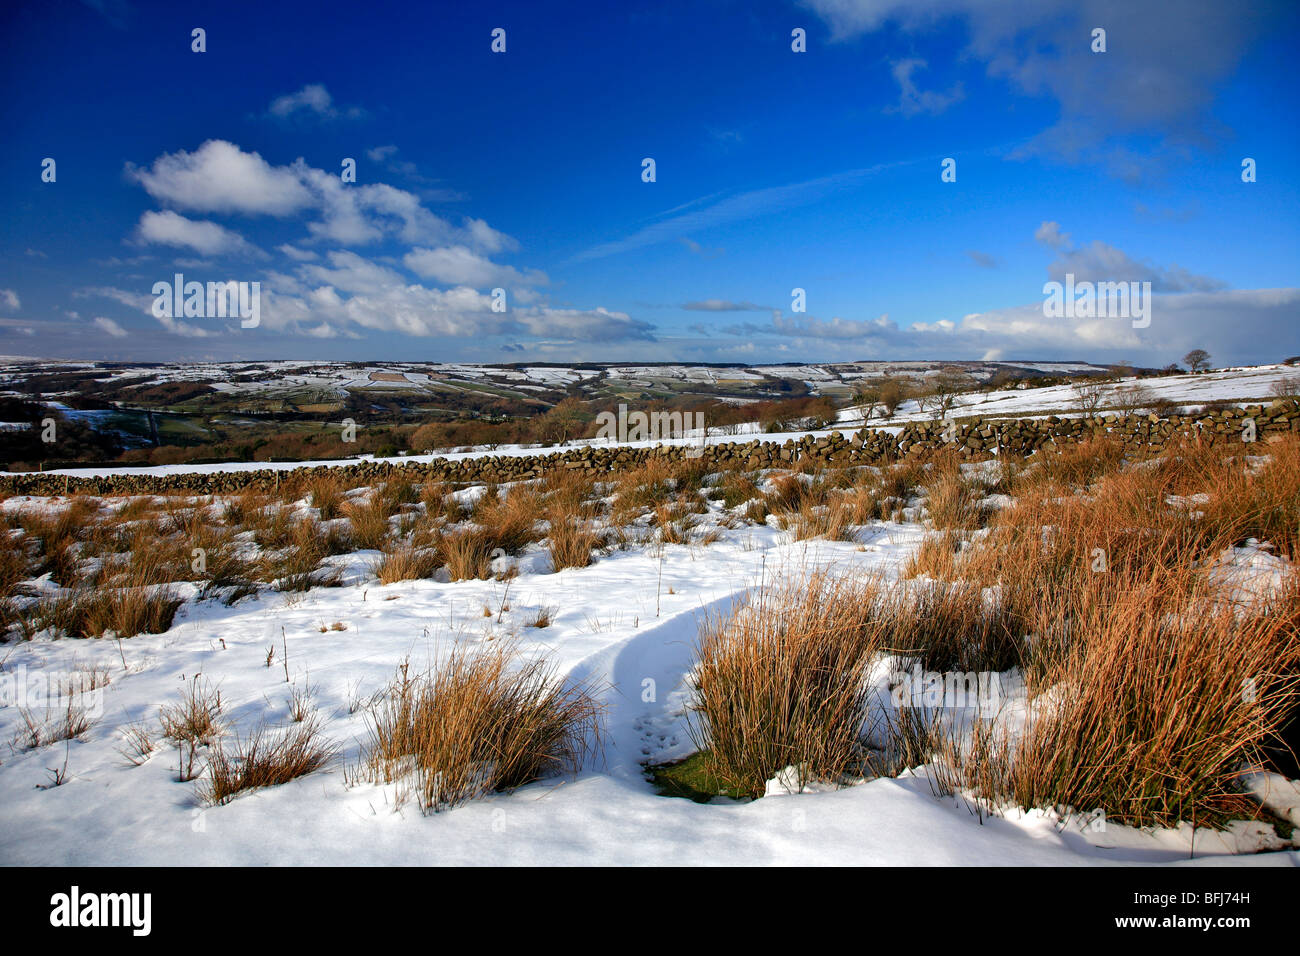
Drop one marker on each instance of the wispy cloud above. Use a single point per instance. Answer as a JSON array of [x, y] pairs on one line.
[[743, 206], [724, 305], [312, 100]]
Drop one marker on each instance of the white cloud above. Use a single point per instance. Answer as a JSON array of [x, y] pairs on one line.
[[1229, 323], [1098, 261], [172, 229], [1049, 233], [219, 177], [724, 305], [705, 214], [143, 303], [301, 255], [482, 236], [312, 99], [807, 326], [1158, 78], [592, 325], [912, 99], [459, 265], [9, 299], [139, 301], [111, 327]]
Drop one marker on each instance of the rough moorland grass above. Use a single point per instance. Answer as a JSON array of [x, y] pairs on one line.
[[1154, 684], [192, 723], [368, 522], [952, 500], [1160, 700], [482, 722], [510, 520], [467, 553], [1071, 465], [266, 758], [124, 611], [781, 681], [405, 562], [952, 627], [325, 492]]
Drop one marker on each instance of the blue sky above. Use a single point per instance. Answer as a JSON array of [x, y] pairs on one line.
[[775, 170]]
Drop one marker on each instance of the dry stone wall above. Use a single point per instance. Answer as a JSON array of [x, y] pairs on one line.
[[975, 438]]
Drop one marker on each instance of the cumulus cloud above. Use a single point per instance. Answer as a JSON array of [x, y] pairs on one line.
[[348, 292], [1226, 322], [459, 265], [172, 229], [9, 299], [339, 292], [219, 177], [300, 255]]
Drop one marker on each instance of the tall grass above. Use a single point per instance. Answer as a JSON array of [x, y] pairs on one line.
[[265, 758], [467, 553], [481, 722], [781, 681], [325, 493], [406, 562], [1158, 703]]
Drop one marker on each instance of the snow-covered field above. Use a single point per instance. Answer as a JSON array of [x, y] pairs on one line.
[[628, 624], [1191, 391], [110, 812]]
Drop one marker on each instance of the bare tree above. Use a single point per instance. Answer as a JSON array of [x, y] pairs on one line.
[[892, 394], [1287, 387], [1088, 395], [865, 399], [1132, 398], [941, 397], [1197, 360], [1121, 369]]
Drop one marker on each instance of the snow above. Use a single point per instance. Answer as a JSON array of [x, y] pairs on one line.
[[628, 624], [605, 630]]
